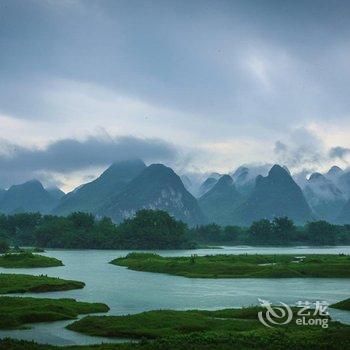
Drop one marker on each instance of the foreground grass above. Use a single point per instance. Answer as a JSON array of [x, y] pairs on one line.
[[342, 305], [17, 283], [240, 266], [16, 311], [335, 338], [160, 323], [203, 330], [27, 260], [194, 329], [168, 323]]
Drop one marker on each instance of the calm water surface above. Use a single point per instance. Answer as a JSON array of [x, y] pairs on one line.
[[126, 291]]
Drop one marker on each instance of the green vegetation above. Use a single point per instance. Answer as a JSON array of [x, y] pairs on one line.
[[4, 247], [153, 229], [165, 323], [240, 266], [16, 283], [27, 259], [221, 329], [280, 231], [336, 337], [342, 305], [201, 330], [14, 312]]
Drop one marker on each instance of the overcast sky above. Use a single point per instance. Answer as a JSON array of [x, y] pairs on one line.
[[197, 85]]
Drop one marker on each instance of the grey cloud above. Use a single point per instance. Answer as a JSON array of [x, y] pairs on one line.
[[183, 55], [280, 147], [303, 149], [69, 155], [339, 152]]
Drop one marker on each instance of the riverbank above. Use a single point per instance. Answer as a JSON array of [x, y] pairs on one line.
[[18, 283], [240, 266], [17, 311]]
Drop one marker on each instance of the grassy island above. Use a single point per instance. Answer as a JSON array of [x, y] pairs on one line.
[[18, 283], [16, 311], [241, 266], [164, 323], [221, 329], [27, 260], [342, 305]]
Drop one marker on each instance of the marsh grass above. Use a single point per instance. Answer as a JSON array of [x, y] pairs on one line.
[[19, 283], [27, 260], [17, 311], [240, 266]]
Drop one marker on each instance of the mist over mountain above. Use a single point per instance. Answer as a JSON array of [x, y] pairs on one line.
[[220, 202], [275, 195], [157, 187], [334, 172], [187, 183], [91, 196], [324, 197], [27, 197], [244, 176], [206, 186]]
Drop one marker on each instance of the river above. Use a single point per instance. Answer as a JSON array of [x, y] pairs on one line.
[[126, 291]]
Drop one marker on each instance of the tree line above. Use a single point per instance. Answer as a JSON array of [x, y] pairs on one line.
[[156, 229], [280, 231]]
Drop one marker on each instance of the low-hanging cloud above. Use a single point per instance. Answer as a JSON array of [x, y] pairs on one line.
[[339, 152], [302, 149], [18, 163]]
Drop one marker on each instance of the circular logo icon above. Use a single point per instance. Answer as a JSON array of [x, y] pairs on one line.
[[274, 315]]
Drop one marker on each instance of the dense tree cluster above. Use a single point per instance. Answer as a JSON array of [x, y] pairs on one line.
[[148, 229]]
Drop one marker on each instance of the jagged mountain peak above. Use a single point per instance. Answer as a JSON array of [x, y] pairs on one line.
[[274, 195], [225, 179], [323, 196], [206, 186], [29, 196], [278, 170], [317, 177], [335, 170], [245, 176], [219, 203], [156, 187], [91, 196], [34, 183]]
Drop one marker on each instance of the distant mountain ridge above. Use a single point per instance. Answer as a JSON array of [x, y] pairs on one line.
[[157, 187], [250, 193], [27, 197], [324, 197], [220, 202], [244, 176], [206, 186], [275, 195], [91, 196]]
